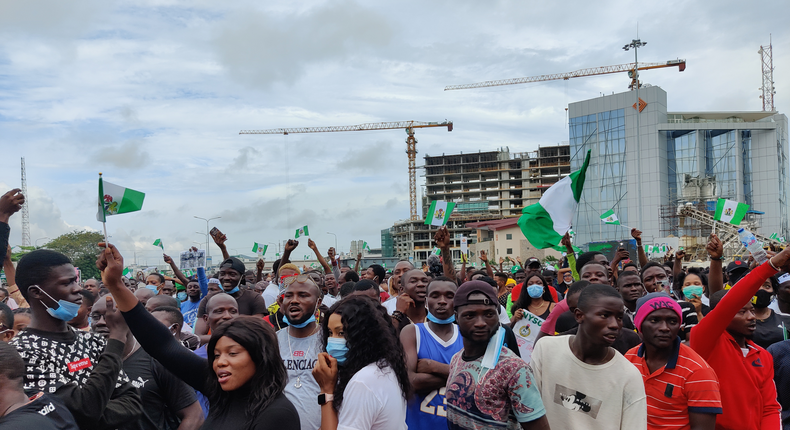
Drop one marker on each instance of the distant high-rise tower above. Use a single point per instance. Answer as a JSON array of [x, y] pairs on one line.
[[767, 57], [25, 210]]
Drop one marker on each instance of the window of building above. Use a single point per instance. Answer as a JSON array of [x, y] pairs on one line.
[[509, 237], [509, 251]]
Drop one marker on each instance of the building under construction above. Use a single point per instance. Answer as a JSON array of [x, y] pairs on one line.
[[484, 186]]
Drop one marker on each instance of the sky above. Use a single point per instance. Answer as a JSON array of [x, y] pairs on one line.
[[153, 94]]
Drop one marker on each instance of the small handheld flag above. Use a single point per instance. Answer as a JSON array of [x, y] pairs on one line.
[[259, 249], [301, 232], [158, 242], [609, 217], [439, 213], [730, 211], [115, 200], [365, 246]]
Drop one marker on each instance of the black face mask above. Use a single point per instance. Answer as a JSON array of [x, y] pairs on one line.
[[762, 299]]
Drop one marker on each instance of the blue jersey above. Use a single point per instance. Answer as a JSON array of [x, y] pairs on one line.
[[429, 411]]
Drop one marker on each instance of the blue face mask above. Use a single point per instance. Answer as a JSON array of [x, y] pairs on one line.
[[182, 295], [152, 288], [432, 318], [535, 291], [300, 325], [337, 348], [66, 311]]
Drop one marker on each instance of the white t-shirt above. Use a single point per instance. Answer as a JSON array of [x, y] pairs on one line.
[[373, 400], [578, 395], [390, 304], [328, 301], [299, 356], [269, 295], [503, 318]]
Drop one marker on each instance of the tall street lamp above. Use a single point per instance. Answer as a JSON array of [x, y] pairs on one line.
[[335, 241], [41, 238], [636, 44], [208, 253]]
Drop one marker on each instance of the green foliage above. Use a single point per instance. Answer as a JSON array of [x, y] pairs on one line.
[[15, 256], [550, 259], [81, 247]]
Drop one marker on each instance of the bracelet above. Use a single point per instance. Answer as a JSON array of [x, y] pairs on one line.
[[398, 315], [771, 263], [12, 292], [715, 259]]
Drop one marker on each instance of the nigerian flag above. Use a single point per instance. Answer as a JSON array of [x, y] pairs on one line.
[[545, 222], [730, 211], [302, 232], [365, 246], [259, 248], [115, 199], [439, 213], [609, 217], [158, 242]]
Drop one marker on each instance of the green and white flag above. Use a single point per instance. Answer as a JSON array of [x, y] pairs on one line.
[[115, 199], [774, 236], [545, 222], [365, 246], [302, 232], [437, 251], [158, 242], [259, 249], [730, 211], [439, 213], [609, 217]]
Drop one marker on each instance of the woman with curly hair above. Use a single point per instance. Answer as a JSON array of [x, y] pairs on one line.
[[244, 376], [362, 375], [538, 299]]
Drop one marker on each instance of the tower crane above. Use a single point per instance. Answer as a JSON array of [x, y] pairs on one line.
[[411, 142], [630, 68]]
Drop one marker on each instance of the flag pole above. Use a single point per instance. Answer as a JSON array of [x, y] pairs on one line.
[[103, 211]]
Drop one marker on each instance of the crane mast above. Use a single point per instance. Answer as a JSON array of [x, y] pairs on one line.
[[411, 144]]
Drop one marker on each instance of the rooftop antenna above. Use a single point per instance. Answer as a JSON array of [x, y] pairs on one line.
[[768, 91], [25, 209]]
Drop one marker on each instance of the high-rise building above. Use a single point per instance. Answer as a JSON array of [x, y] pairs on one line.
[[644, 167]]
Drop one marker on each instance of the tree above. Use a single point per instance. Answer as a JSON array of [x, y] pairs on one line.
[[81, 248], [15, 256]]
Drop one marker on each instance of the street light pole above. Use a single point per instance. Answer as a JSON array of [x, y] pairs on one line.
[[41, 238], [208, 253], [335, 240], [636, 44]]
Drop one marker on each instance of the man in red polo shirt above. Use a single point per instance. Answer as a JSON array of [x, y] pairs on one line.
[[748, 393], [682, 389]]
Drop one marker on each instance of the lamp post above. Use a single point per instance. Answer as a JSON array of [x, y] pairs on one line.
[[636, 44], [41, 238], [335, 240], [208, 253]]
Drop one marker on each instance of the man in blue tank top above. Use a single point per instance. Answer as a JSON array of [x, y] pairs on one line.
[[429, 347]]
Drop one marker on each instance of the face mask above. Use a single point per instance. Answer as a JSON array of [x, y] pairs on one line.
[[337, 348], [433, 318], [66, 311], [692, 291], [301, 325], [152, 288], [535, 291], [181, 296], [762, 299]]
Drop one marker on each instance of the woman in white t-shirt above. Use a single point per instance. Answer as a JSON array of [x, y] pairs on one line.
[[362, 375]]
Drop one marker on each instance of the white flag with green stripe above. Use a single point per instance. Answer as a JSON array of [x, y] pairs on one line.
[[259, 249], [730, 211], [158, 242], [302, 232], [609, 217], [439, 213], [115, 200], [545, 222]]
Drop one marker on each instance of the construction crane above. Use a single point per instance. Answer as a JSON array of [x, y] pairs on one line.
[[630, 68], [411, 143]]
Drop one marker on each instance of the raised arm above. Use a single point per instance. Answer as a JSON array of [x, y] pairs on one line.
[[220, 239], [359, 260], [321, 259], [715, 275], [637, 235], [10, 275], [290, 246], [442, 239], [484, 258], [259, 270], [705, 334], [202, 281], [570, 254], [153, 336], [181, 278]]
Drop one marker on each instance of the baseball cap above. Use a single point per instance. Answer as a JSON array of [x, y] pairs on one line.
[[531, 261], [475, 287], [235, 264], [737, 265]]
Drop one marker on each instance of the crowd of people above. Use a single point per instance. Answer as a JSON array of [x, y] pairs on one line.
[[586, 344]]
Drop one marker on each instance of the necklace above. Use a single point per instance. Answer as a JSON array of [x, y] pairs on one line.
[[298, 383], [134, 346]]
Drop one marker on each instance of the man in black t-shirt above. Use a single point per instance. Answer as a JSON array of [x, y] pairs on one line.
[[168, 402], [40, 412]]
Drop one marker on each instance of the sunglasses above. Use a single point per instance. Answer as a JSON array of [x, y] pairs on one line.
[[299, 278]]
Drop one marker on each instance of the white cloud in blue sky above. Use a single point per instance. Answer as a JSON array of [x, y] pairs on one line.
[[154, 93]]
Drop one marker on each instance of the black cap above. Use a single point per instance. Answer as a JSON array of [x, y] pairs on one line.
[[475, 287], [235, 264], [533, 261], [737, 265]]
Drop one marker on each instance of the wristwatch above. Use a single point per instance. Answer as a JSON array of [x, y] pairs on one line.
[[325, 398]]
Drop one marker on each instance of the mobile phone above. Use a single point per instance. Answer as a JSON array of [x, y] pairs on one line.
[[215, 232]]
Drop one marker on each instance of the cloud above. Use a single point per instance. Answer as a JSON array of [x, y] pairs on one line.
[[127, 155], [242, 161]]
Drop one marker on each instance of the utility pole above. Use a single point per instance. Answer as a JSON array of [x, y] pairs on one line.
[[25, 209], [636, 44]]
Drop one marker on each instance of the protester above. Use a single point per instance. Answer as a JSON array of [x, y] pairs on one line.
[[196, 290], [771, 327], [92, 286], [630, 286], [144, 295], [401, 267], [78, 367], [537, 301], [429, 347], [485, 366], [722, 338], [654, 278], [168, 403], [362, 375], [780, 352], [40, 412], [782, 303], [584, 382], [682, 389], [410, 307], [6, 323], [300, 342], [80, 322], [21, 319], [503, 293], [245, 378]]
